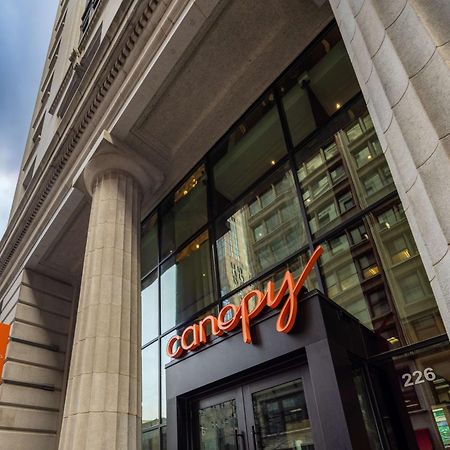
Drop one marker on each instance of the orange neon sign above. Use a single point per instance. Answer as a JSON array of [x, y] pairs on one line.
[[4, 337], [195, 335]]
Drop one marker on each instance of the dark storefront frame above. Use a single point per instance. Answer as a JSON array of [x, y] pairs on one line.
[[333, 124]]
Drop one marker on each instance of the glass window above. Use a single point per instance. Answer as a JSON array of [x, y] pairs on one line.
[[262, 240], [150, 389], [186, 283], [149, 245], [150, 308], [252, 148], [318, 86], [184, 212], [423, 379], [405, 274], [150, 440]]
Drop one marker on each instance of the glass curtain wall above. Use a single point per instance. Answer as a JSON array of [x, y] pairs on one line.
[[302, 167]]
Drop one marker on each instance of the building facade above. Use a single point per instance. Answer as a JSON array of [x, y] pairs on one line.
[[188, 163]]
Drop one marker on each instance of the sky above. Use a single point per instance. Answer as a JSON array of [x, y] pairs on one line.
[[25, 29]]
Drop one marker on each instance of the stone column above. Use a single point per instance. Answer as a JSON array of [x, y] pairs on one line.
[[400, 53], [103, 400]]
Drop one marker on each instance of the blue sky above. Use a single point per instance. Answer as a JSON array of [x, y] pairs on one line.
[[25, 29]]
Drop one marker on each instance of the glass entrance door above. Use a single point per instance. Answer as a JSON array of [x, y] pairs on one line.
[[269, 414]]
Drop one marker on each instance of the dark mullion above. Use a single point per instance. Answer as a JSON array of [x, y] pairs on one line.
[[400, 351], [184, 244], [210, 190], [159, 234], [293, 165]]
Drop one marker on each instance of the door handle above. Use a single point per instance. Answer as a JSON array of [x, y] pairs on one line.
[[236, 438]]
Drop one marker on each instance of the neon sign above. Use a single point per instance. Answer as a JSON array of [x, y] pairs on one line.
[[195, 335]]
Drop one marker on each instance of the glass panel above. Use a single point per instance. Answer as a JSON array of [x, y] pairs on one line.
[[184, 212], [150, 394], [149, 245], [248, 152], [165, 359], [249, 243], [150, 309], [319, 84], [414, 301], [345, 174], [295, 266], [366, 410], [281, 418], [345, 267], [163, 438], [217, 426], [150, 440], [186, 285], [424, 379]]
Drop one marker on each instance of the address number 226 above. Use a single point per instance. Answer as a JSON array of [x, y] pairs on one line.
[[418, 377]]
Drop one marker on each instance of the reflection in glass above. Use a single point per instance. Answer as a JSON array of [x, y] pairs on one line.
[[265, 229], [150, 308], [255, 145], [186, 285], [424, 379], [318, 86], [217, 425], [408, 282], [366, 410], [149, 245], [166, 359], [184, 212], [150, 440], [353, 279], [150, 391], [281, 418]]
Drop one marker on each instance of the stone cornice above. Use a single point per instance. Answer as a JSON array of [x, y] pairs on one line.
[[31, 204]]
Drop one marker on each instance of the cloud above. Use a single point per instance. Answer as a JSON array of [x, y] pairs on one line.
[[25, 29]]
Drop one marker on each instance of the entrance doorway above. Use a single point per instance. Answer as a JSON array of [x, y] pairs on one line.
[[269, 414]]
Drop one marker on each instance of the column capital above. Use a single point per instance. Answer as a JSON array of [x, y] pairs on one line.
[[110, 154]]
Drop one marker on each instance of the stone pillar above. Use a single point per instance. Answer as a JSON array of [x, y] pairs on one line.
[[103, 399], [399, 50]]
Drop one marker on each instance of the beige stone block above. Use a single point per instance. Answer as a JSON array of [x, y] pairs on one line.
[[371, 27], [47, 285], [432, 85], [25, 418], [35, 355], [45, 301], [391, 72], [35, 316], [26, 373], [442, 279], [401, 156], [389, 10], [379, 101], [361, 56], [345, 20], [27, 396], [427, 221], [435, 176], [435, 14], [20, 440], [411, 41], [38, 335], [417, 130]]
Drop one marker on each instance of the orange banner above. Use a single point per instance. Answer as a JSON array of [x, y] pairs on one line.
[[4, 338]]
